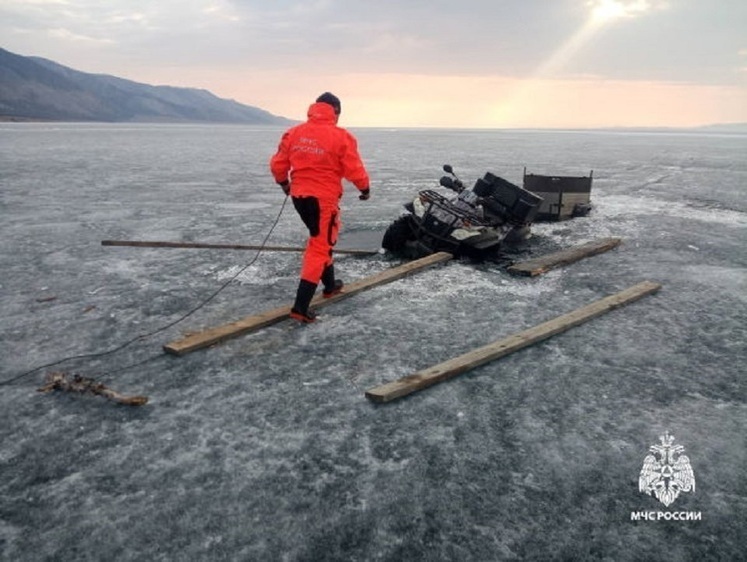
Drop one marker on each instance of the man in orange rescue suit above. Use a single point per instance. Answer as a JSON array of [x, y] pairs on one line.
[[312, 160]]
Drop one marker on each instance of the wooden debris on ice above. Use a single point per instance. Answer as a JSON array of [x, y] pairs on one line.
[[83, 385]]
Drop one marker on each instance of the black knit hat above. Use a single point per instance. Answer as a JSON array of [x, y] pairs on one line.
[[332, 100]]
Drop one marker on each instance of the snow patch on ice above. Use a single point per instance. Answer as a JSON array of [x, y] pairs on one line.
[[616, 206]]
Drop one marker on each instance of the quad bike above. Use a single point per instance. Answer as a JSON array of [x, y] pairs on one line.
[[474, 223], [478, 222]]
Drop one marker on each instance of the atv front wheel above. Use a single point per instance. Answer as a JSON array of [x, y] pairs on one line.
[[396, 236]]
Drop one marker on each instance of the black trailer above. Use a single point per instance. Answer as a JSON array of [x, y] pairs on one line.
[[563, 197]]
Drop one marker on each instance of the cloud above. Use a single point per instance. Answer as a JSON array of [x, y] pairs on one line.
[[223, 11], [45, 3], [603, 11], [67, 35]]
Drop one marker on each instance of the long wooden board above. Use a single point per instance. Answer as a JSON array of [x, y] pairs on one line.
[[204, 245], [463, 363], [543, 264], [212, 336]]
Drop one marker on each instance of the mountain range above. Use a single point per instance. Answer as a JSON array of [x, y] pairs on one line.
[[37, 89]]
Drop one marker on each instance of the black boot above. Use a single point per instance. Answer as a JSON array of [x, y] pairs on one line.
[[300, 310], [331, 286]]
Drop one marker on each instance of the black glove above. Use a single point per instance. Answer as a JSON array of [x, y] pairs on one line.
[[286, 186], [365, 194]]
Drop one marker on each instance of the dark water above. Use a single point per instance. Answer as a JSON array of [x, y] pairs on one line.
[[264, 448]]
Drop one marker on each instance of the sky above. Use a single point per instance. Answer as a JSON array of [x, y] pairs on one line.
[[417, 63]]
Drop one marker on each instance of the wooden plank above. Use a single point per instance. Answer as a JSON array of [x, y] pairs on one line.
[[463, 363], [543, 264], [255, 322], [203, 245]]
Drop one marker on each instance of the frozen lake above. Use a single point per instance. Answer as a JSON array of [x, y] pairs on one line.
[[264, 448]]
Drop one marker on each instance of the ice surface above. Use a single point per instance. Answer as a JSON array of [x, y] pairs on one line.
[[264, 448]]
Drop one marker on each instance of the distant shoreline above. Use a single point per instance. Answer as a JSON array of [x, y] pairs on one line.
[[14, 119], [726, 128], [11, 119]]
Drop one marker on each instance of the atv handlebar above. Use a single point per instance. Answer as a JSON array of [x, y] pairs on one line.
[[453, 184]]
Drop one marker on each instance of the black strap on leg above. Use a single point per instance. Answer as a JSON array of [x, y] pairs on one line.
[[308, 210]]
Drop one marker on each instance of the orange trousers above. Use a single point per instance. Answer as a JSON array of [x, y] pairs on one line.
[[322, 218]]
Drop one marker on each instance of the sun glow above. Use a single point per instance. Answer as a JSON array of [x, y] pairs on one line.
[[603, 14], [606, 11]]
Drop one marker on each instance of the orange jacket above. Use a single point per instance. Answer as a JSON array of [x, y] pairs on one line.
[[317, 155]]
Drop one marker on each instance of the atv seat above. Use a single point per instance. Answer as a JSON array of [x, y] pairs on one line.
[[507, 201]]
